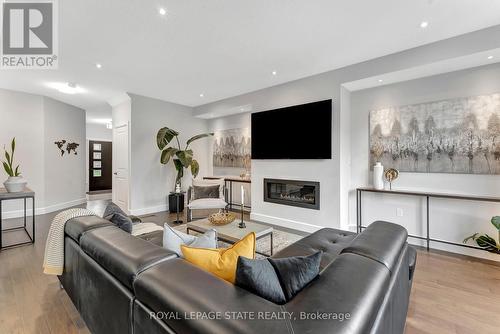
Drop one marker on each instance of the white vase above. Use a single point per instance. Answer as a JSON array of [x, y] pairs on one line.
[[15, 184], [378, 171]]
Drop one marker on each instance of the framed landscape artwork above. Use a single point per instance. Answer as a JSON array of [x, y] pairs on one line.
[[460, 135], [232, 148]]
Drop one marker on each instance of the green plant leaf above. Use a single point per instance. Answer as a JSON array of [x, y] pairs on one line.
[[185, 157], [195, 168], [164, 136], [13, 145], [496, 222], [180, 169], [166, 154], [472, 237], [7, 157], [8, 170], [192, 139], [16, 173], [486, 242]]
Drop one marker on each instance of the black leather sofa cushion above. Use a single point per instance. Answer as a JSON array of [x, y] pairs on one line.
[[75, 227], [352, 284], [106, 246], [412, 255], [178, 286], [380, 241], [328, 240]]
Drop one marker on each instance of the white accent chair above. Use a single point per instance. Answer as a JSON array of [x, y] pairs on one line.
[[212, 204]]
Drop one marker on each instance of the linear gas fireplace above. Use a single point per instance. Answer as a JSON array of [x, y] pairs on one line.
[[304, 194]]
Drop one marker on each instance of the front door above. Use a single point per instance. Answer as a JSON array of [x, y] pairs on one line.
[[100, 165]]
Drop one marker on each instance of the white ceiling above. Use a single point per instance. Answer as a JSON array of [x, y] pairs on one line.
[[226, 47]]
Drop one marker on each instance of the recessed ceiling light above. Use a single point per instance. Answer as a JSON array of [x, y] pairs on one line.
[[98, 65], [490, 57], [424, 24], [162, 11], [380, 80], [66, 88], [201, 95], [274, 72]]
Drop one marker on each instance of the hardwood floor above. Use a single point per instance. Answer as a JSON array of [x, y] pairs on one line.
[[450, 294]]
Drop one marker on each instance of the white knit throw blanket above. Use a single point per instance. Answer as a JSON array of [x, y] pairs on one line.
[[53, 262]]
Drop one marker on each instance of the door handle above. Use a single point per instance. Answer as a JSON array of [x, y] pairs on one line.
[[116, 173]]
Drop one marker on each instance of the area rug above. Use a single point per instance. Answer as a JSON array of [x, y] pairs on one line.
[[281, 239]]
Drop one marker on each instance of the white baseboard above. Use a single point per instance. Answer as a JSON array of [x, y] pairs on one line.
[[96, 197], [43, 210], [288, 223], [146, 211]]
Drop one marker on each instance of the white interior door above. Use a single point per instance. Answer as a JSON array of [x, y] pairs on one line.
[[121, 167]]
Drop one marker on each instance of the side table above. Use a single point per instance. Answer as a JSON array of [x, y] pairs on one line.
[[25, 194], [179, 200]]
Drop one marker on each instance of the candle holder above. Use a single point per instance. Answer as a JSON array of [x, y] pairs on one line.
[[242, 222]]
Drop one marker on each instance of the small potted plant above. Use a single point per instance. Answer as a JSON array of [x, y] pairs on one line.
[[15, 183], [485, 241]]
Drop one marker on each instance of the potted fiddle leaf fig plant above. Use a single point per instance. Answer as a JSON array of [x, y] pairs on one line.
[[15, 183], [182, 158], [485, 241]]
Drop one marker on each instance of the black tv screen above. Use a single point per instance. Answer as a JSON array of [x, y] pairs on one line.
[[297, 132]]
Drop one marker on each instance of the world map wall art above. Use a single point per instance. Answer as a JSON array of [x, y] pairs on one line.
[[460, 135]]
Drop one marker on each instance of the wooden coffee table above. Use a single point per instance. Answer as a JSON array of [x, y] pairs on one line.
[[231, 233]]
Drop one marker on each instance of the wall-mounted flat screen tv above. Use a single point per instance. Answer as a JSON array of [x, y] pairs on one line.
[[298, 132]]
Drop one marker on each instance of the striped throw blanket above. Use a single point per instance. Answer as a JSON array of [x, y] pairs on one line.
[[53, 262]]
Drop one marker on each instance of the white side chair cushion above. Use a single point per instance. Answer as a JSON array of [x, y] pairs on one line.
[[207, 203], [173, 239], [206, 183]]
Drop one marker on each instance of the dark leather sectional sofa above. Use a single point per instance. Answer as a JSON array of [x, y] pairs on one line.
[[125, 284]]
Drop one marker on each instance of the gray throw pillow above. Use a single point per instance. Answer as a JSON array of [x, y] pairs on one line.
[[173, 239], [111, 209], [114, 214], [277, 280], [206, 192]]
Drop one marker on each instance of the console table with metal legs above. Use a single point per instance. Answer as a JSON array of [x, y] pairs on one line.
[[228, 184], [427, 196], [24, 195]]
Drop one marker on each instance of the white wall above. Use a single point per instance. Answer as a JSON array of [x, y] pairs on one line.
[[225, 123], [64, 175], [37, 122], [21, 116], [150, 181], [98, 132], [450, 219]]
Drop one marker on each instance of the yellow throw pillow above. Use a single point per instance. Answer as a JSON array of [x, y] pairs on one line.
[[221, 262]]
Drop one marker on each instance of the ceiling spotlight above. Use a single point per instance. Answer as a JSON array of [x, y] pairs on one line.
[[201, 95], [380, 80], [490, 57], [162, 11], [98, 65], [274, 72], [424, 24], [66, 88]]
